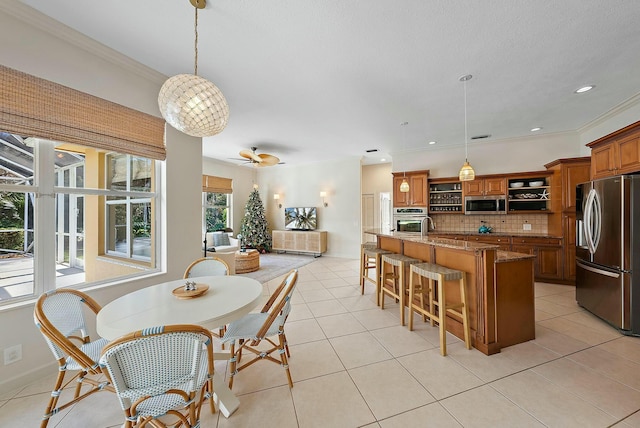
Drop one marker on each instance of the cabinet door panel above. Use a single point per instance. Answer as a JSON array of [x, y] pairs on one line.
[[418, 190], [628, 154], [495, 186], [549, 262], [400, 199], [602, 161], [473, 188], [571, 176]]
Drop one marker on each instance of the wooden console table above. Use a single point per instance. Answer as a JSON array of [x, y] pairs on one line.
[[300, 241]]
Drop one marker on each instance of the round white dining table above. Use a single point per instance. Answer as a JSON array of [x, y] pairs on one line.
[[228, 298]]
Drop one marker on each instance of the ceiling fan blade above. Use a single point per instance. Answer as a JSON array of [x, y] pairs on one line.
[[250, 155], [268, 160]]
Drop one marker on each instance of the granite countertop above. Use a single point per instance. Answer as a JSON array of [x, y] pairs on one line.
[[510, 256], [439, 242], [529, 235]]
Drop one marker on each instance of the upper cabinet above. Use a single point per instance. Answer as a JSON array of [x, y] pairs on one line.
[[530, 193], [445, 195], [616, 153], [417, 194], [485, 186]]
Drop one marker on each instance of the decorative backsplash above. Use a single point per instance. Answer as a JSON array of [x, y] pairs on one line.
[[511, 223]]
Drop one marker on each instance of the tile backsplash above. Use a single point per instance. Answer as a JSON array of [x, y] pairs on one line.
[[510, 223]]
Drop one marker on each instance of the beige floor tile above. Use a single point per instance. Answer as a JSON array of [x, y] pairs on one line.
[[27, 412], [374, 319], [340, 325], [98, 410], [316, 295], [360, 303], [299, 311], [442, 376], [487, 368], [389, 389], [557, 342], [529, 354], [606, 394], [269, 408], [324, 275], [314, 284], [485, 407], [577, 331], [346, 291], [545, 289], [432, 415], [398, 340], [359, 349], [554, 308], [330, 401], [262, 375], [303, 331], [562, 299], [625, 346], [552, 405], [611, 365], [325, 308], [633, 420], [542, 315], [334, 282], [312, 360], [588, 320]]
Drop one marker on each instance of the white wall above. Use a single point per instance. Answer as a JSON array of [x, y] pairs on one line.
[[36, 52], [301, 186]]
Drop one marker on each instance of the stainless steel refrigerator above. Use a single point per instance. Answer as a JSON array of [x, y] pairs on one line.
[[608, 250]]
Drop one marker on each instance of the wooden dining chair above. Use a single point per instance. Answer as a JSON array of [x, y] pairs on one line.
[[60, 317], [162, 375], [250, 331]]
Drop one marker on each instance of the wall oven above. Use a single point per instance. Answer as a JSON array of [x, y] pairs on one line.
[[485, 204], [409, 220]]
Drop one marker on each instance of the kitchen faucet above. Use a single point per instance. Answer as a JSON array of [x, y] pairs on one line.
[[422, 230]]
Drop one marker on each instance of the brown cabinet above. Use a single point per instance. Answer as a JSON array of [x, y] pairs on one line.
[[485, 186], [445, 195], [548, 264], [503, 241], [417, 194], [616, 153]]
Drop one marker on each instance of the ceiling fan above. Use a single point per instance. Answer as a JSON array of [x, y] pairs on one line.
[[259, 160]]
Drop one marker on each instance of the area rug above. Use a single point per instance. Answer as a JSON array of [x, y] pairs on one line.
[[273, 265]]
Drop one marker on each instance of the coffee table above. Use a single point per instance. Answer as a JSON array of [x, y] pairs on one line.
[[247, 261]]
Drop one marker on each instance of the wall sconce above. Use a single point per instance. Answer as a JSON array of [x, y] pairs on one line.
[[276, 197], [324, 195]]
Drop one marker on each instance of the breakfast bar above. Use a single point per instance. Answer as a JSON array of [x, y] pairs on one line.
[[500, 286]]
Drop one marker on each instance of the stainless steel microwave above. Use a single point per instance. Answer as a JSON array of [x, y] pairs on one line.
[[494, 204]]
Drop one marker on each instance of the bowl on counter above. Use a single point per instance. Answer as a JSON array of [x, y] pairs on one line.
[[516, 184], [536, 183]]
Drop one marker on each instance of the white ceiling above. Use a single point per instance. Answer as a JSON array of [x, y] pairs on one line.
[[310, 80]]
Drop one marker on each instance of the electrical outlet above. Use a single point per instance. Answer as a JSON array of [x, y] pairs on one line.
[[526, 226], [12, 354]]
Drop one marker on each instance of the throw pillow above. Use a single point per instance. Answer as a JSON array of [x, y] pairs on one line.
[[216, 238], [224, 239]]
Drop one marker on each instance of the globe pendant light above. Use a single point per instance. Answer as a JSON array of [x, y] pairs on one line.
[[404, 186], [192, 104], [466, 172]]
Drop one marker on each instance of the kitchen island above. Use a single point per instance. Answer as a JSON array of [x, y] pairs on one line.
[[500, 289]]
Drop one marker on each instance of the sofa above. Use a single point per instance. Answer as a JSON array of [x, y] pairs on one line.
[[223, 248]]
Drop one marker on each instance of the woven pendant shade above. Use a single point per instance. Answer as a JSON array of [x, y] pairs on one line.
[[193, 105]]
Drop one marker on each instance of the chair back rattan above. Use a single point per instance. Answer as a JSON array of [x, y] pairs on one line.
[[207, 266], [161, 370]]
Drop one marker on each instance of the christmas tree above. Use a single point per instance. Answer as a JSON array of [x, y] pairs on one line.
[[254, 225]]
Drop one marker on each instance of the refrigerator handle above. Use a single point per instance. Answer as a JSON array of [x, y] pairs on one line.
[[597, 215], [588, 221], [596, 270]]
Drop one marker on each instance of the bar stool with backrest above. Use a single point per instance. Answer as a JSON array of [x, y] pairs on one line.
[[393, 282], [438, 274], [370, 257]]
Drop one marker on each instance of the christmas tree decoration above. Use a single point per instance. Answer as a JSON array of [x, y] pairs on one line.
[[255, 233]]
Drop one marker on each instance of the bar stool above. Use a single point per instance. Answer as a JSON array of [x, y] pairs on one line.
[[440, 274], [370, 259], [399, 264]]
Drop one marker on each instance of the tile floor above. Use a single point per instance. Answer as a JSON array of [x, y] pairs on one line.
[[353, 365]]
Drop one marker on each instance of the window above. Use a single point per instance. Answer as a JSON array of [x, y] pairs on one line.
[[91, 222], [217, 211]]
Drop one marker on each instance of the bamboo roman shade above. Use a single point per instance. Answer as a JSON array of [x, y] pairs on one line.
[[212, 184], [34, 107]]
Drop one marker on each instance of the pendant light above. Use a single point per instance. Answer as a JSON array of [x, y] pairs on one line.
[[466, 172], [192, 104], [404, 186]]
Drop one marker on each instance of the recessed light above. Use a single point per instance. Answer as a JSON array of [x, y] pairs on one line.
[[584, 89], [432, 143], [383, 160], [537, 128]]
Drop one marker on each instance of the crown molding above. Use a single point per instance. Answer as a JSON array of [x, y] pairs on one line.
[[620, 108], [32, 17]]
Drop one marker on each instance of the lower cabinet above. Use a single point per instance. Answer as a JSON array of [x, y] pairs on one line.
[[300, 241], [548, 264]]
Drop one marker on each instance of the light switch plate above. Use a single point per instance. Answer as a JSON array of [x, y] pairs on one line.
[[12, 354], [526, 226]]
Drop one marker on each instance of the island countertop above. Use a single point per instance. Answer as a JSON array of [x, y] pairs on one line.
[[438, 242]]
